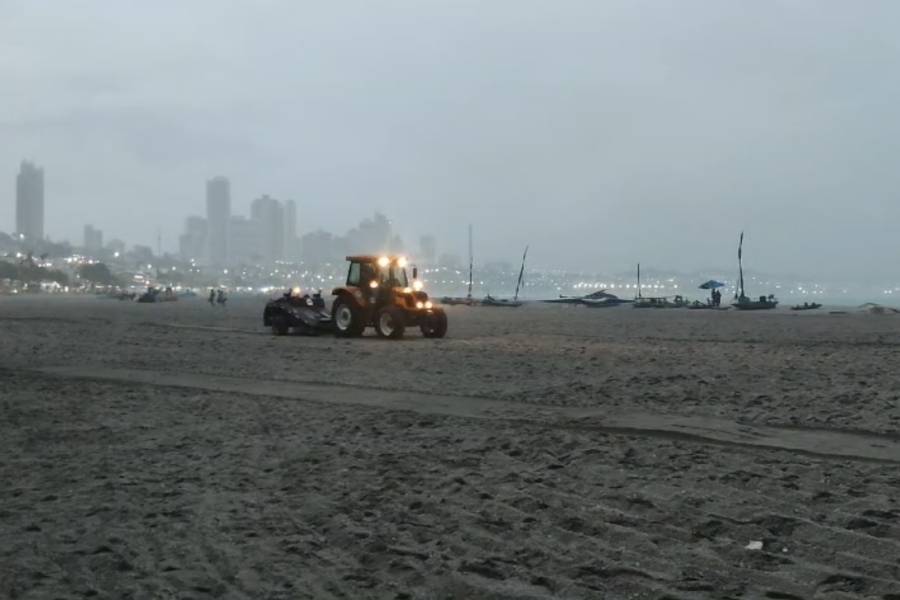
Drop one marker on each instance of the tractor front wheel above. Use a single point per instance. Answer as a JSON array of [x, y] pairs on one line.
[[435, 324], [390, 322]]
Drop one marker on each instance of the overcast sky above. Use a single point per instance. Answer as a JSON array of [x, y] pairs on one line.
[[602, 133]]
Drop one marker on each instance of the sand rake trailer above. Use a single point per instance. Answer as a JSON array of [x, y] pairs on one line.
[[300, 313]]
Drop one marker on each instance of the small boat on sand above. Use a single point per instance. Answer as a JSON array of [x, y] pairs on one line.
[[506, 302], [502, 302], [697, 305], [807, 306], [468, 300], [641, 301], [601, 302], [744, 302], [598, 299]]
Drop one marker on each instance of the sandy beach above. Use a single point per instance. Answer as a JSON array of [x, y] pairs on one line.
[[178, 450]]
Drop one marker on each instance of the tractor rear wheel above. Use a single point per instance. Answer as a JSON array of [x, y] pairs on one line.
[[390, 322], [435, 325], [348, 319]]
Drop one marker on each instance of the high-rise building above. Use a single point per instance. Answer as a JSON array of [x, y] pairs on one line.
[[244, 241], [30, 202], [192, 242], [268, 215], [373, 235], [291, 241], [218, 215], [93, 239]]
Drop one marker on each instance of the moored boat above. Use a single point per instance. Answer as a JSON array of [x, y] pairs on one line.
[[506, 302], [744, 302], [807, 306]]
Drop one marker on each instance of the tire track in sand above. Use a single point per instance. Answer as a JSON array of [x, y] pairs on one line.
[[835, 444]]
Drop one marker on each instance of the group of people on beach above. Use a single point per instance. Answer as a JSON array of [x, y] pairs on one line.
[[716, 298], [217, 297]]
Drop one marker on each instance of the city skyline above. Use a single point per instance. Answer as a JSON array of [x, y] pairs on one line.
[[269, 234], [266, 235]]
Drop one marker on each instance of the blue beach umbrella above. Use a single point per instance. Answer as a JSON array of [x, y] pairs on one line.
[[712, 284]]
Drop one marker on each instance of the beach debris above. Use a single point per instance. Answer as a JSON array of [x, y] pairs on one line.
[[754, 545]]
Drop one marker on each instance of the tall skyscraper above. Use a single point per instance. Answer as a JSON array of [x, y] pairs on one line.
[[30, 202], [244, 241], [218, 215], [268, 215], [291, 241]]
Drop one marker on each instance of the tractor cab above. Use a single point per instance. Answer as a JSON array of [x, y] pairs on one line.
[[379, 293], [382, 272]]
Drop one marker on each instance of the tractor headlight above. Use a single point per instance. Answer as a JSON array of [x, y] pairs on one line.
[[417, 285], [420, 305], [429, 305], [373, 284], [384, 261]]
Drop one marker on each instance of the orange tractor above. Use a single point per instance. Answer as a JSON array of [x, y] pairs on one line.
[[379, 294]]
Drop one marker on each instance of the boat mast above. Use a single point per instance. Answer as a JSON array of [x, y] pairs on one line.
[[471, 259], [639, 280], [741, 265], [521, 274]]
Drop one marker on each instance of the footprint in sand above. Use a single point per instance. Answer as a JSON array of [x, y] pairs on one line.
[[842, 583]]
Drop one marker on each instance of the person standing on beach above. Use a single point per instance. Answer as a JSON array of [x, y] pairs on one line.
[[212, 297]]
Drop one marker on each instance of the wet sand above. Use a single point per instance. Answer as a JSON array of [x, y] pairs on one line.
[[180, 451]]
